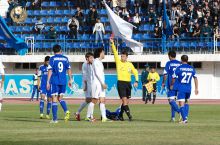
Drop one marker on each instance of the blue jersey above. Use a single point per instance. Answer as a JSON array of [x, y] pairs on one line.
[[43, 71], [169, 70], [183, 75], [59, 64]]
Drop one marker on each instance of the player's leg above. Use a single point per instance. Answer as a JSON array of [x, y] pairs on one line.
[[33, 92], [144, 90], [49, 103], [102, 108], [91, 109], [173, 105], [154, 93], [61, 92], [42, 98], [121, 93], [187, 105], [181, 99], [54, 93]]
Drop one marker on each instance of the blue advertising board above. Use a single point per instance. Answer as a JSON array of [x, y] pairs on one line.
[[20, 86]]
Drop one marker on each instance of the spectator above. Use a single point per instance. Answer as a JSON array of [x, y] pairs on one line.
[[196, 30], [22, 3], [176, 32], [35, 86], [92, 16], [200, 15], [152, 16], [84, 4], [215, 9], [36, 4], [144, 81], [52, 34], [190, 29], [115, 3], [73, 26], [125, 14], [39, 26], [206, 30], [99, 29], [157, 32], [137, 21], [80, 17], [122, 3], [137, 8]]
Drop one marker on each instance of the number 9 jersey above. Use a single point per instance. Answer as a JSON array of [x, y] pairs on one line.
[[183, 75], [59, 64]]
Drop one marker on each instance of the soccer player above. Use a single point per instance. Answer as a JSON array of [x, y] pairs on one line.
[[144, 81], [35, 86], [98, 85], [56, 81], [183, 76], [167, 76], [124, 70], [2, 80], [42, 87], [154, 78], [87, 83]]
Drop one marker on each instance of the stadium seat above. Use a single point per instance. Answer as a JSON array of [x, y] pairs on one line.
[[66, 12], [103, 12], [44, 12], [85, 37], [40, 37], [51, 12], [30, 12], [58, 20], [50, 20], [145, 36], [59, 12], [45, 4], [36, 13], [53, 4]]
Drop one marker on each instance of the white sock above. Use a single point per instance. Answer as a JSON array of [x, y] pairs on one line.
[[103, 110], [90, 110], [0, 106], [82, 106]]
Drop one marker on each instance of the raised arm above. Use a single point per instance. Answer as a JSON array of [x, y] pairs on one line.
[[115, 52]]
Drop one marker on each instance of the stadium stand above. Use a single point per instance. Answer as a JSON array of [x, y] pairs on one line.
[[184, 15]]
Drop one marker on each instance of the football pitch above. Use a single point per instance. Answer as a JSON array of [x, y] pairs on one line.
[[20, 125]]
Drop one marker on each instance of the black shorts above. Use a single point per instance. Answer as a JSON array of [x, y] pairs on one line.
[[124, 89], [155, 87]]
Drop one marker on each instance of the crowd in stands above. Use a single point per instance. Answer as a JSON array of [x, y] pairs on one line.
[[189, 18]]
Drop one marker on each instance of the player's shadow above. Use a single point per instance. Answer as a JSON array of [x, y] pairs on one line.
[[23, 119], [150, 120]]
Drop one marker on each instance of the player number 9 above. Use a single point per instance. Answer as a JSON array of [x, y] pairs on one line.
[[60, 66]]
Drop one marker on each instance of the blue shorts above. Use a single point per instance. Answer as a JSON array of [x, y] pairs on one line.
[[183, 96], [43, 90], [58, 89], [171, 94]]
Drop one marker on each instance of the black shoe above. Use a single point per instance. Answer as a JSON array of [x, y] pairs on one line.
[[153, 102], [143, 99], [130, 118], [121, 118]]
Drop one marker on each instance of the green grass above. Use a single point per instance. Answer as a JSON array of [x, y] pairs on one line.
[[19, 124]]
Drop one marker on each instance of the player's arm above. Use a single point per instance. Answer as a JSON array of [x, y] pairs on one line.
[[38, 78], [69, 72], [157, 77], [196, 83], [49, 73], [165, 75], [115, 52], [135, 72], [84, 72]]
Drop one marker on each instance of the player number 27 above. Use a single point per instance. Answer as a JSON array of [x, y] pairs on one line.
[[186, 77], [60, 66]]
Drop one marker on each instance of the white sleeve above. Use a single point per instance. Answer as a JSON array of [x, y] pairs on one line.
[[97, 72], [94, 29], [103, 29], [84, 71]]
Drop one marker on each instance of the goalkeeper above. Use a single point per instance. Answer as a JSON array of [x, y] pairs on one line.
[[153, 78]]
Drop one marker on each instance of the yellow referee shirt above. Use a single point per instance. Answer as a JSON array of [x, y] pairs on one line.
[[124, 69], [153, 76]]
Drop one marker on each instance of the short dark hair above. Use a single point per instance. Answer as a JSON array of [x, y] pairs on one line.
[[97, 52], [88, 54], [124, 52], [172, 54], [47, 58], [184, 58], [56, 48]]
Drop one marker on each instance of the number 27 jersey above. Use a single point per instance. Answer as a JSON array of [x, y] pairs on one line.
[[59, 64], [183, 75]]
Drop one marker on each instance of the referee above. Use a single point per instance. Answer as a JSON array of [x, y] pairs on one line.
[[124, 70]]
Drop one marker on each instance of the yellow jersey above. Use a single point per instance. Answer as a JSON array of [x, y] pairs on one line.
[[124, 69], [153, 76]]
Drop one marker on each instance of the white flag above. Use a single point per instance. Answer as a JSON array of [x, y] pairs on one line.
[[123, 30]]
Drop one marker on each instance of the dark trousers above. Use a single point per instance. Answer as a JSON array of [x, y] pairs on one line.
[[73, 34], [144, 93], [35, 89]]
